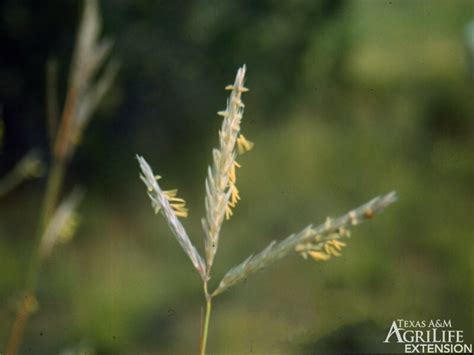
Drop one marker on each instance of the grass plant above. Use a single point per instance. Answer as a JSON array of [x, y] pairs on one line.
[[86, 89], [320, 242]]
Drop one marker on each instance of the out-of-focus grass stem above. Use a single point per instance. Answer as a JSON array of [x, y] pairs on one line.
[[50, 202], [52, 102], [85, 92]]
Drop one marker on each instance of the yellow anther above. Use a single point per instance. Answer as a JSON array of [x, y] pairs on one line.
[[318, 255], [243, 144]]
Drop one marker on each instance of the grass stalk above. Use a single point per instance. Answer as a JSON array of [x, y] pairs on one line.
[[85, 91], [53, 190], [205, 330], [24, 312]]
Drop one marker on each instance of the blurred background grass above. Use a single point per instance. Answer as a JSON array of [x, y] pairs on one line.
[[348, 100]]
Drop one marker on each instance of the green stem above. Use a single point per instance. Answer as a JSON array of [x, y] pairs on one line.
[[53, 189], [204, 333], [50, 201]]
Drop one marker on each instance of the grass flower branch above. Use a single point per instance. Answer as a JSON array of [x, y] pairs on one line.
[[222, 194], [323, 239], [171, 207]]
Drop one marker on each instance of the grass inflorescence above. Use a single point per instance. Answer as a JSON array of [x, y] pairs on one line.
[[222, 195]]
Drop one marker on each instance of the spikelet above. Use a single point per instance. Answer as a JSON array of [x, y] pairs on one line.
[[62, 225], [69, 229], [323, 250], [222, 194], [29, 167]]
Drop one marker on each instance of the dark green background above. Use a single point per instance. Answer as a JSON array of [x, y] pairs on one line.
[[348, 100]]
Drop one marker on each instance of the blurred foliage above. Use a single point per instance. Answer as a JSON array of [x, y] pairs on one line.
[[349, 99]]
